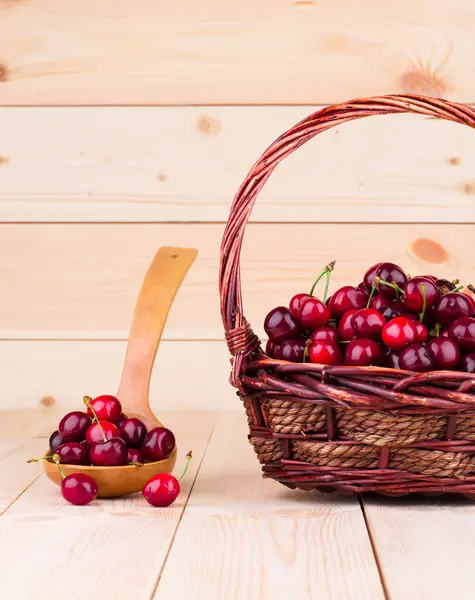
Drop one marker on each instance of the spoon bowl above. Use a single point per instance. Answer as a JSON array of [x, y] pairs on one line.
[[159, 288]]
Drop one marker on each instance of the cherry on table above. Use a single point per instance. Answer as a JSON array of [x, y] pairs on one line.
[[292, 350], [134, 456], [133, 432], [96, 432], [414, 293], [345, 299], [463, 332], [453, 306], [104, 408], [389, 273], [345, 326], [362, 352], [467, 363], [296, 302], [324, 353], [158, 444], [324, 334], [73, 426], [163, 489], [77, 488], [416, 358], [368, 323], [55, 441], [72, 453], [313, 313], [281, 325], [444, 352], [399, 333], [110, 453]]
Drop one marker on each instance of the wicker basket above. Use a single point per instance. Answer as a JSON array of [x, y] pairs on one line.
[[352, 429]]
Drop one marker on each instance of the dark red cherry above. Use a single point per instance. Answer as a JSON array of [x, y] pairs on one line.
[[345, 327], [467, 363], [431, 277], [392, 360], [54, 441], [296, 303], [444, 333], [444, 286], [313, 314], [368, 278], [292, 350], [94, 432], [107, 408], [158, 444], [430, 318], [422, 332], [133, 432], [452, 306], [444, 352], [324, 353], [281, 325], [472, 301], [463, 332], [391, 310], [378, 302], [134, 456], [272, 350], [345, 299], [362, 352], [161, 490], [414, 294], [112, 453], [399, 333], [368, 323], [79, 489], [390, 273], [72, 453], [73, 426], [325, 334], [121, 419], [416, 358], [361, 286]]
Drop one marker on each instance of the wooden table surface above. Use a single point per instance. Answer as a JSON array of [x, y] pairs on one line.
[[230, 534]]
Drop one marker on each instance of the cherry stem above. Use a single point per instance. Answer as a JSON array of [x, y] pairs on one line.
[[395, 287], [56, 462], [424, 302], [471, 288], [328, 269], [437, 329], [327, 285], [457, 289], [188, 458], [87, 401], [35, 460], [305, 352], [135, 464], [373, 290]]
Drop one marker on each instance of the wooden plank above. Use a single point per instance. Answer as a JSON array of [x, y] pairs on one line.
[[271, 51], [55, 375], [185, 164], [424, 546], [261, 540], [81, 281], [15, 474], [109, 549]]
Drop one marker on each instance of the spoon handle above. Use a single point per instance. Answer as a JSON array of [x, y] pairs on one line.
[[161, 283]]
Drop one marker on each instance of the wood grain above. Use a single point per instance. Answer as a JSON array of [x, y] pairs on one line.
[[109, 549], [274, 51], [169, 164], [54, 375], [424, 546], [251, 539], [82, 281]]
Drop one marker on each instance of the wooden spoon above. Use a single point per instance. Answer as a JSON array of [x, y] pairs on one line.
[[159, 288]]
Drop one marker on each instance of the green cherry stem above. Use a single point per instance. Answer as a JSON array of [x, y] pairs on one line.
[[87, 401], [327, 285], [328, 269], [35, 460], [457, 289], [308, 343], [188, 458], [56, 462], [395, 287], [437, 329], [373, 290], [424, 302]]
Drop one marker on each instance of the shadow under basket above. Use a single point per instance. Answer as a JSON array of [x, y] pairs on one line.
[[339, 428]]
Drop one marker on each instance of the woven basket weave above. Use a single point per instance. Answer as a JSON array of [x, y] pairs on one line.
[[352, 429]]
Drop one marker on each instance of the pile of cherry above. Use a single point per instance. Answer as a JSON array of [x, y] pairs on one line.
[[104, 437], [417, 324]]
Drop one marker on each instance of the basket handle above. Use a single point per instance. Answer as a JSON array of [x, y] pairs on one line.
[[241, 340]]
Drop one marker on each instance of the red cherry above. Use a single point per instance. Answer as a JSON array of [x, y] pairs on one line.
[[345, 327], [398, 333], [313, 314], [391, 310], [444, 352], [94, 432], [72, 427], [161, 490], [362, 352], [324, 353], [390, 273], [112, 453], [345, 299], [368, 323], [72, 453], [272, 350], [392, 360], [416, 357], [472, 300], [134, 456], [107, 408], [55, 441], [463, 332], [421, 330], [133, 431], [467, 363], [281, 325], [368, 278], [414, 296], [444, 285], [79, 489], [324, 334], [296, 303], [121, 419], [292, 350], [452, 306], [158, 444], [378, 302]]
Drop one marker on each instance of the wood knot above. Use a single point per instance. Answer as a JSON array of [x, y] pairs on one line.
[[429, 251], [209, 125], [425, 84], [454, 161], [47, 401], [469, 188], [162, 177], [3, 73], [3, 160]]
